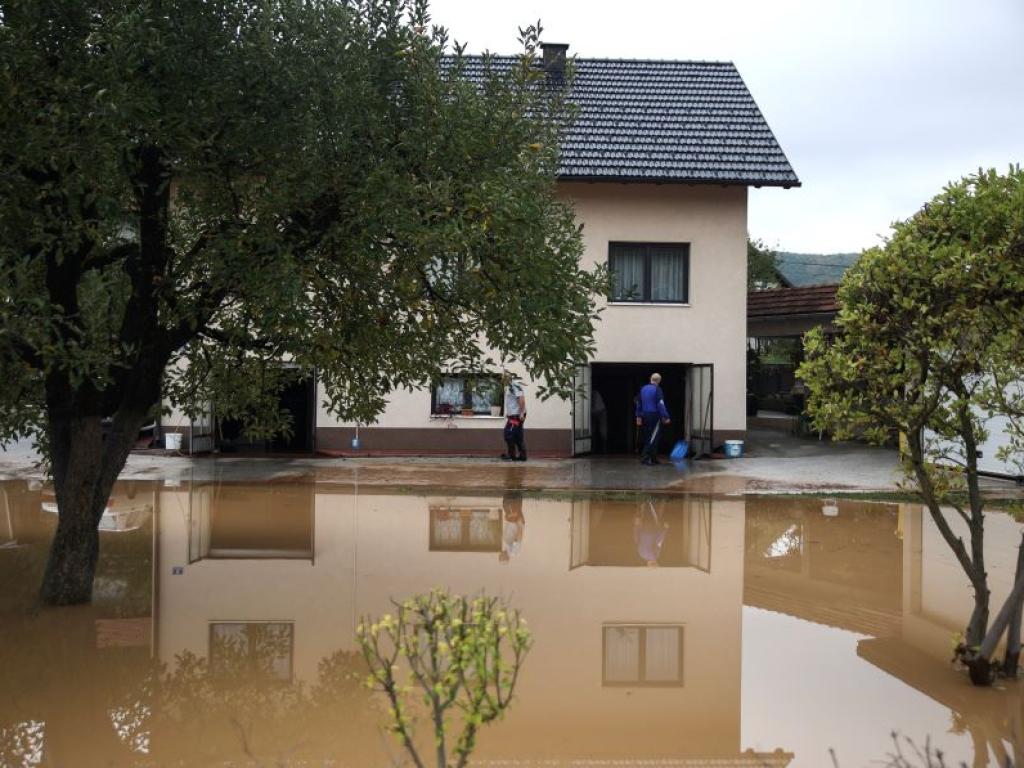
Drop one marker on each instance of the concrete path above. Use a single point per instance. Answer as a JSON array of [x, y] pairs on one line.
[[775, 462]]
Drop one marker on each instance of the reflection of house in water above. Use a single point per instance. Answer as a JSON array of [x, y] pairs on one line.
[[842, 571], [883, 570], [648, 531], [937, 600], [628, 662]]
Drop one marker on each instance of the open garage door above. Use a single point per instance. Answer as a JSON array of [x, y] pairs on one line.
[[700, 412]]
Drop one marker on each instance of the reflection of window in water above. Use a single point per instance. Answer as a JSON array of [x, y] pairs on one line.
[[642, 655], [465, 529], [775, 543], [252, 651], [251, 521], [789, 543], [642, 532]]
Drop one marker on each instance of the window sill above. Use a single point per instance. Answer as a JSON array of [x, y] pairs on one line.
[[468, 418], [647, 304]]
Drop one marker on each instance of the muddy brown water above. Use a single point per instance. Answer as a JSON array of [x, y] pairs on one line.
[[668, 630]]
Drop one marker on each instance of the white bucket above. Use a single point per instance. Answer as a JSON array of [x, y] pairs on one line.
[[172, 441], [733, 448]]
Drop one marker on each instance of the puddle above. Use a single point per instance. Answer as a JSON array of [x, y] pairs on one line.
[[668, 631]]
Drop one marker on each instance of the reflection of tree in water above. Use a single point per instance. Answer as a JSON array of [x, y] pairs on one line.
[[206, 714], [67, 702]]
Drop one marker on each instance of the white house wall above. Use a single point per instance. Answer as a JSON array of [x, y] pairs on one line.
[[711, 328]]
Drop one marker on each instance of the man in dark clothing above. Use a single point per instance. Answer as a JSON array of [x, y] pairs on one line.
[[515, 416], [651, 413]]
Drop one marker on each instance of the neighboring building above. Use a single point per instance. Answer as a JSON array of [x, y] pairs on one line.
[[657, 165], [777, 319]]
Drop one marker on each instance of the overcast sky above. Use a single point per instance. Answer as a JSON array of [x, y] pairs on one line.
[[877, 103]]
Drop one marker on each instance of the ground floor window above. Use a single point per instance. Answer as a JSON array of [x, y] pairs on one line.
[[466, 393], [642, 655], [465, 529]]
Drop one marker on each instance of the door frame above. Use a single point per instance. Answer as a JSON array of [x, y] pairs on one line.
[[581, 436], [702, 438]]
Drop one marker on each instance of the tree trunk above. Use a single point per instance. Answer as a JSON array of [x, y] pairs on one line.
[[1013, 630], [73, 555], [979, 664], [85, 465], [978, 624]]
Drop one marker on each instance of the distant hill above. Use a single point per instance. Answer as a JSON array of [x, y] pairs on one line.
[[802, 269]]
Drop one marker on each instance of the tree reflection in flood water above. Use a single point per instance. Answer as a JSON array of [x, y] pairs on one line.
[[673, 629]]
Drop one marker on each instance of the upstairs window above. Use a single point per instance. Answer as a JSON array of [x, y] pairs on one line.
[[642, 655], [650, 273]]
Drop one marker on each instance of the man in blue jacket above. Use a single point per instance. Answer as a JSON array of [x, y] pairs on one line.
[[651, 413]]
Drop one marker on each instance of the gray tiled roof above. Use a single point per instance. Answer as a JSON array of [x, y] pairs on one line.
[[667, 121]]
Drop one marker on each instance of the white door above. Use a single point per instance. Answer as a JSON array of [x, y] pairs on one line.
[[581, 439], [700, 380], [201, 439]]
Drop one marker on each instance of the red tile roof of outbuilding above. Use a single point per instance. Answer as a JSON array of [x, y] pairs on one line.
[[789, 302]]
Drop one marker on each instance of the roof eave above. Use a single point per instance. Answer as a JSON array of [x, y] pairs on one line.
[[593, 178]]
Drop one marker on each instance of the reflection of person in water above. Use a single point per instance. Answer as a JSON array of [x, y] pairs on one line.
[[513, 525], [649, 530]]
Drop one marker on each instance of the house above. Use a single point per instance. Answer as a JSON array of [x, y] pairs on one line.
[[657, 164]]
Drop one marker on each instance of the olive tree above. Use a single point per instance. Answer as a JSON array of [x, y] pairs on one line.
[[930, 333], [192, 191]]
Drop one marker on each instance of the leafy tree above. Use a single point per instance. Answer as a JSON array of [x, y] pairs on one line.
[[192, 191], [463, 655], [762, 271], [930, 331]]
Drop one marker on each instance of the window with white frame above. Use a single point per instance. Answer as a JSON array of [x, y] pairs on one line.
[[252, 650], [642, 655], [460, 393], [650, 273]]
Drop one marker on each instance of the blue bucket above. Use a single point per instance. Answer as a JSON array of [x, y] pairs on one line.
[[733, 449], [679, 451]]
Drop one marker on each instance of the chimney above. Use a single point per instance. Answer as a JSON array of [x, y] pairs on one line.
[[554, 60]]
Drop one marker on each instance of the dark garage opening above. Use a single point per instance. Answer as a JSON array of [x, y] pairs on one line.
[[299, 400], [618, 385]]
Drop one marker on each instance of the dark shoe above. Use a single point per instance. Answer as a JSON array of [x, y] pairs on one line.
[[647, 462], [506, 457], [521, 457]]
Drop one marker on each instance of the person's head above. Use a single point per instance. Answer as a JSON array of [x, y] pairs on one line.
[[506, 378], [655, 378]]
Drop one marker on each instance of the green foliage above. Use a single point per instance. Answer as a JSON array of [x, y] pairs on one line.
[[463, 655], [930, 331], [762, 271], [231, 184], [930, 325]]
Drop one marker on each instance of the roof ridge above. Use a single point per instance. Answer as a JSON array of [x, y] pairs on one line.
[[610, 59]]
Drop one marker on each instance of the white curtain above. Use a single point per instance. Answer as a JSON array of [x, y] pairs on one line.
[[449, 392], [667, 273], [627, 263], [662, 655], [622, 654]]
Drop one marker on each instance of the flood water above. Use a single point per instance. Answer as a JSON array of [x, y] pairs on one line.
[[668, 630]]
